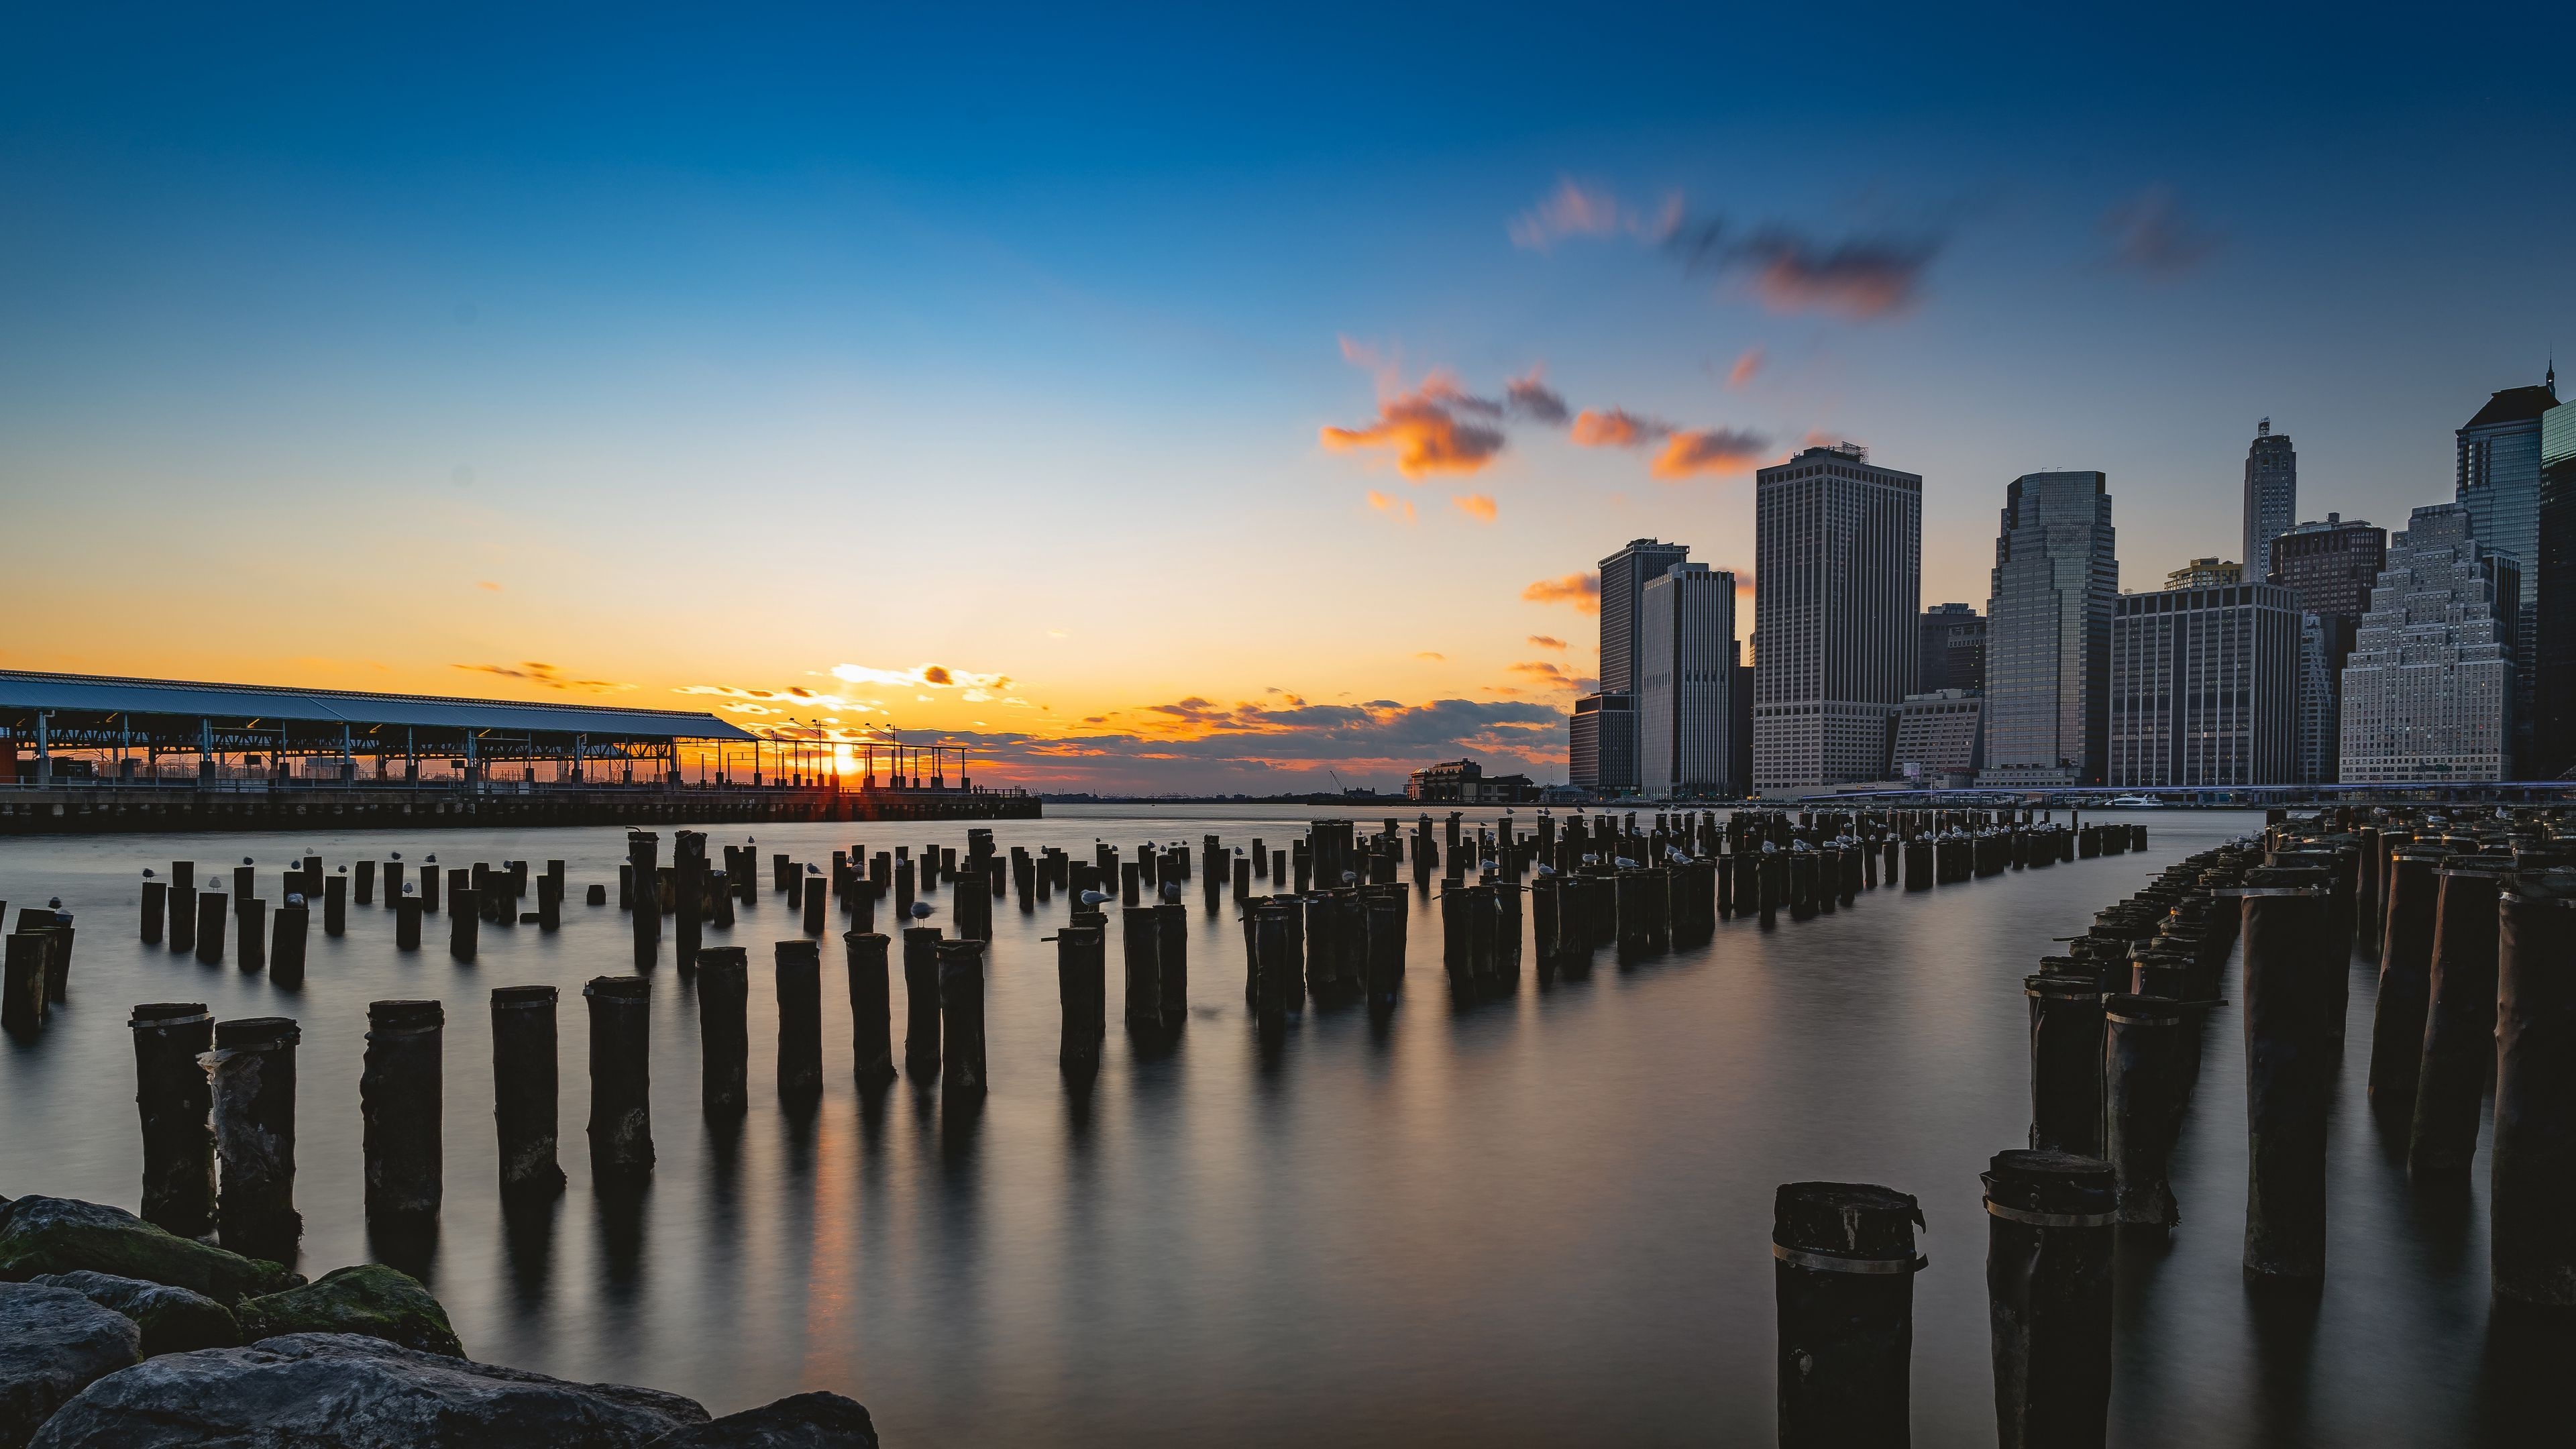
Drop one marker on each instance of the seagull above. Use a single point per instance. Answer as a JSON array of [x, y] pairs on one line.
[[1350, 877], [147, 872], [429, 860], [920, 910], [246, 860], [1625, 863], [1089, 898], [294, 899], [55, 904], [407, 887], [396, 854], [1171, 890], [1547, 872]]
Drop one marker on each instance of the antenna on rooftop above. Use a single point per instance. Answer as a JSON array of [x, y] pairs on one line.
[[2263, 429]]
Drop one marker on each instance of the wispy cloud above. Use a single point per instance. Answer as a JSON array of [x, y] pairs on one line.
[[1399, 507], [1545, 641], [1475, 505], [1549, 675], [1422, 428], [934, 676], [1583, 591], [1862, 278], [1431, 654], [1709, 450], [1572, 209], [487, 586], [547, 675], [2151, 234], [1748, 364], [1616, 428], [1530, 397]]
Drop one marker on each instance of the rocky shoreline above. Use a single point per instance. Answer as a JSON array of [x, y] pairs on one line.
[[115, 1334]]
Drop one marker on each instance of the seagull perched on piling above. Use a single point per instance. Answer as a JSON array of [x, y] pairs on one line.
[[1093, 898], [920, 910], [147, 872]]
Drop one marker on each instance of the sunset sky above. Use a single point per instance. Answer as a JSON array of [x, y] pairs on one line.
[[1207, 396]]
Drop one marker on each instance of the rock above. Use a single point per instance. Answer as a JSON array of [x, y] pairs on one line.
[[53, 1343], [40, 1235], [346, 1391], [370, 1298], [173, 1320], [806, 1421]]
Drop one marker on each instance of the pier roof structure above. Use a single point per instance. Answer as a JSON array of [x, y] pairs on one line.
[[74, 711]]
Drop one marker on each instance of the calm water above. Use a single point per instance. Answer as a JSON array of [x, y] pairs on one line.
[[1536, 1220]]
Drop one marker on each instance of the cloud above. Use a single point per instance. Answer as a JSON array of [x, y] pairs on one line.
[[1747, 364], [1583, 591], [487, 586], [547, 675], [1422, 428], [1400, 507], [1860, 278], [1543, 672], [1545, 641], [935, 676], [1709, 450], [1477, 506], [2152, 235], [1570, 210], [1430, 654], [1617, 428], [1530, 397]]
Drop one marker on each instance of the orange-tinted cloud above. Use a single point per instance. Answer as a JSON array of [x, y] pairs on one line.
[[1431, 654], [1861, 278], [1546, 641], [1551, 676], [487, 586], [1747, 364], [1617, 428], [1530, 397], [1422, 428], [547, 675], [1475, 505], [1572, 209], [1709, 450], [1583, 591], [1400, 507]]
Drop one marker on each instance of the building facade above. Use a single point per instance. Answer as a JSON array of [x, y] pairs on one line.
[[1623, 578], [2498, 482], [2205, 687], [2428, 691], [2206, 573], [1838, 551], [2048, 632], [2271, 493], [1686, 682], [1937, 735], [1951, 654], [1601, 744], [2331, 568], [2552, 583], [1464, 782]]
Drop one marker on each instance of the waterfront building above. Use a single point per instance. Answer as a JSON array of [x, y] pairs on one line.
[[1685, 682], [1464, 782], [2204, 687], [2048, 632], [1623, 579], [2271, 493], [1601, 744], [1951, 654], [2331, 567], [2552, 580], [2206, 573], [2498, 482], [1838, 551], [2428, 691], [1937, 736]]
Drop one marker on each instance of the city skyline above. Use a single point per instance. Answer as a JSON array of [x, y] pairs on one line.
[[438, 397]]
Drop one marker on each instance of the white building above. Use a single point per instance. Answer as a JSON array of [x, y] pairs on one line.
[[1685, 664], [1937, 735], [2428, 689], [2204, 687], [1838, 556]]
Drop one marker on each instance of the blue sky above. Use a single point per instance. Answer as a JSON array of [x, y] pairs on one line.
[[1005, 340]]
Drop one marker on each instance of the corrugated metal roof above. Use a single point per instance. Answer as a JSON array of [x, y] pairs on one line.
[[24, 690]]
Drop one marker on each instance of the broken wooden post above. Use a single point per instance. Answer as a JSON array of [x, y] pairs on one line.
[[2146, 1084], [1843, 1277], [253, 1087], [724, 1031], [399, 1097], [2459, 1024], [2049, 1246], [172, 1095], [2288, 1083], [2405, 979], [921, 1001], [621, 1079], [1082, 991], [799, 966], [961, 1013], [524, 1089], [871, 1021], [2066, 1061], [2532, 1252]]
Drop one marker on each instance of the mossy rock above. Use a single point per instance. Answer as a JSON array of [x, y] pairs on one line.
[[369, 1299], [40, 1235], [173, 1320]]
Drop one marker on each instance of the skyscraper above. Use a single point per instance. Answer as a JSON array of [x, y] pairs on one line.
[[2499, 484], [2048, 632], [1952, 651], [2428, 692], [1623, 578], [1838, 551], [2552, 582], [2271, 493], [2206, 573], [1686, 682], [2331, 567], [1601, 744], [2204, 686]]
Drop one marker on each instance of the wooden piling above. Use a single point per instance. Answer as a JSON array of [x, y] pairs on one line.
[[2288, 1081], [399, 1096], [642, 847], [175, 1101], [2146, 1083], [2049, 1252], [1843, 1277], [2459, 1024], [464, 918], [1172, 960], [921, 1001], [962, 1072], [407, 923], [210, 926], [1082, 992], [2066, 1059], [156, 905], [799, 966], [524, 1090], [871, 1025], [250, 928], [253, 1091], [2531, 1250], [724, 1031], [621, 1079], [2405, 979], [1140, 934]]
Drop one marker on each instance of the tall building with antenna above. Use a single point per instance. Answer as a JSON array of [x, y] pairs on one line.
[[2498, 482], [2271, 495]]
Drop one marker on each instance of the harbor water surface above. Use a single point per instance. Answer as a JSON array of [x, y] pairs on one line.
[[1541, 1219]]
